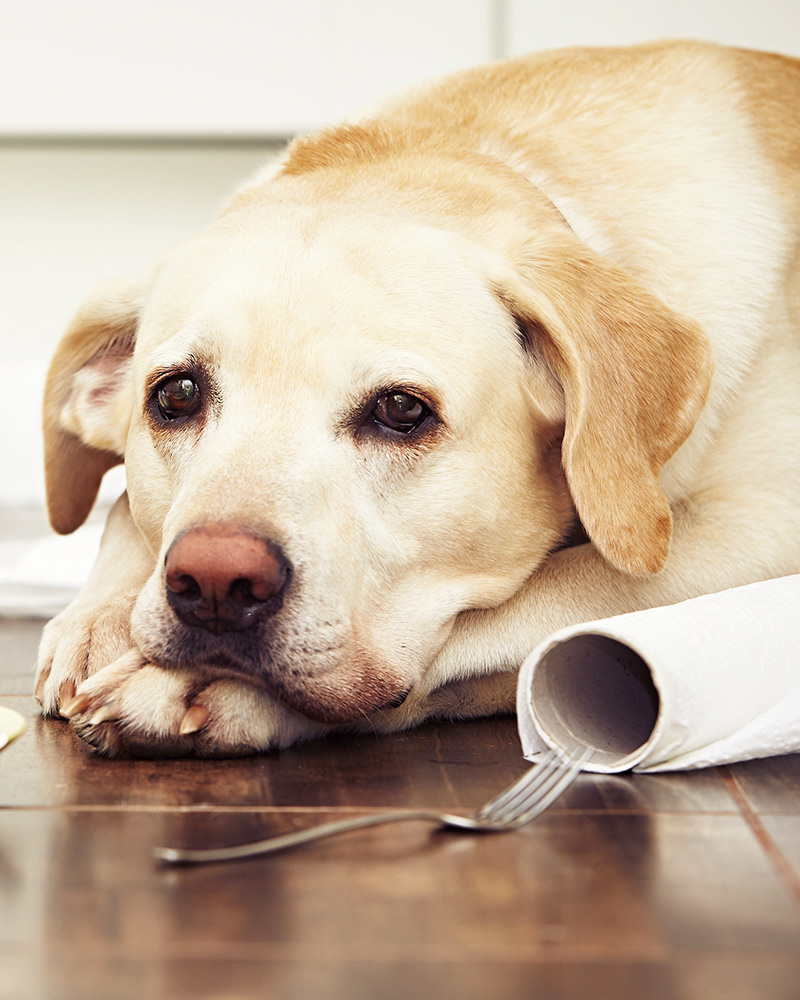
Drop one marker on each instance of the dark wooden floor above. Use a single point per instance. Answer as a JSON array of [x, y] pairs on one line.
[[677, 886]]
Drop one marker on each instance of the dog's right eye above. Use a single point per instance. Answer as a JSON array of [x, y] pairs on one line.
[[178, 396], [400, 411]]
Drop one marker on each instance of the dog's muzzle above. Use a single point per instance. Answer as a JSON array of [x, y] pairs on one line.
[[222, 578], [225, 584]]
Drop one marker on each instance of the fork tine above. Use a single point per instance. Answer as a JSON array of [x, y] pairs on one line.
[[523, 786], [559, 781], [535, 790]]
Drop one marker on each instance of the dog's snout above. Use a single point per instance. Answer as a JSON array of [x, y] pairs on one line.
[[221, 578]]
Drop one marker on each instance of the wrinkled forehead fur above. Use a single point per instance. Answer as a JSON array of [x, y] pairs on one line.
[[465, 274]]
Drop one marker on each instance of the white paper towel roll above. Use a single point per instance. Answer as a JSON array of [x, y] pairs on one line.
[[709, 681]]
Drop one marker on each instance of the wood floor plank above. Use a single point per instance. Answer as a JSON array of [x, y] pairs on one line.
[[784, 831], [575, 886], [320, 979], [348, 771], [453, 766], [686, 791], [627, 903]]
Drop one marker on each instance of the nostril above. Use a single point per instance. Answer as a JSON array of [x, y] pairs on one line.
[[247, 591], [264, 585], [183, 584], [242, 590]]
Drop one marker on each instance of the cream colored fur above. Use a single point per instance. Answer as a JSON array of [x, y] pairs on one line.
[[586, 264]]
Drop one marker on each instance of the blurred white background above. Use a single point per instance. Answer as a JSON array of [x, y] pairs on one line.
[[123, 126]]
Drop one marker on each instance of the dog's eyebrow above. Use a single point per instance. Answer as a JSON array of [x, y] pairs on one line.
[[155, 375], [185, 349], [401, 368], [403, 377]]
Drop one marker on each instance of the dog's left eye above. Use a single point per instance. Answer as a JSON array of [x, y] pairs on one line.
[[179, 396], [400, 411]]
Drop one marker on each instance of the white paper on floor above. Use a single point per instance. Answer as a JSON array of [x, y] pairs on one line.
[[40, 577], [708, 681]]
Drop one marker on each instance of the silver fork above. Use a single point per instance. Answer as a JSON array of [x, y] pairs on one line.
[[521, 802]]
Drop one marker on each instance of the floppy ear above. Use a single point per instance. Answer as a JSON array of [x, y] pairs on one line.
[[635, 377], [87, 402]]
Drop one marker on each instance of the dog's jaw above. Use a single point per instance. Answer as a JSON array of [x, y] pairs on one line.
[[356, 689]]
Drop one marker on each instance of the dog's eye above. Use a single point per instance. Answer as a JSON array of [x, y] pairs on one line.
[[179, 396], [400, 411]]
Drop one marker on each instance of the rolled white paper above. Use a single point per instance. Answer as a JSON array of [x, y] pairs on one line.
[[709, 681]]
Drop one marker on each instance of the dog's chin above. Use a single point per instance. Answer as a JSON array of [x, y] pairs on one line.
[[341, 696]]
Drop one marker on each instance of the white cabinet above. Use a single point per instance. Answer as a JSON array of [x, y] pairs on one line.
[[240, 68], [773, 25], [220, 67]]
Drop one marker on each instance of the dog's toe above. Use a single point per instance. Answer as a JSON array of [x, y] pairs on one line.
[[104, 738], [75, 646]]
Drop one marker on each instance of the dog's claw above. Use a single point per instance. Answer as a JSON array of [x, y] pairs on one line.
[[195, 719], [106, 713], [75, 705], [66, 693], [41, 683]]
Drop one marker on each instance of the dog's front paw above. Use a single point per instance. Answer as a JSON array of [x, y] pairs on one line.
[[78, 643], [139, 709]]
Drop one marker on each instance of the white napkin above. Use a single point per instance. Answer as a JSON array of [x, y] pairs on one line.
[[709, 681], [40, 577]]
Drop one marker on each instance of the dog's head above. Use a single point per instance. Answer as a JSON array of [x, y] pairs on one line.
[[343, 426]]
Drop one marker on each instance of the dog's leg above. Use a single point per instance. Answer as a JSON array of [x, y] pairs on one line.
[[95, 629], [715, 545]]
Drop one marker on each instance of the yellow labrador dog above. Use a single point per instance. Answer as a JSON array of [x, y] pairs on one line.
[[521, 350]]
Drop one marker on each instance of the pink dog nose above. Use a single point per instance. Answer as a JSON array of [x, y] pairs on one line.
[[222, 579]]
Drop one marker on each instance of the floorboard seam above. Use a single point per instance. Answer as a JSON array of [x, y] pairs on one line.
[[777, 859]]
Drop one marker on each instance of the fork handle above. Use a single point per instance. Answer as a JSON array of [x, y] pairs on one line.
[[176, 856]]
